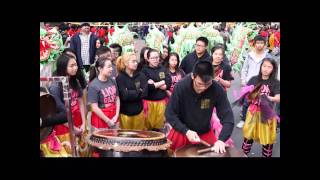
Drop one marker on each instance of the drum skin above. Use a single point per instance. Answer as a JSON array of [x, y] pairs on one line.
[[191, 151]]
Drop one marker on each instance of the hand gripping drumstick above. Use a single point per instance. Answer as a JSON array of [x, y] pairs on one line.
[[206, 150]]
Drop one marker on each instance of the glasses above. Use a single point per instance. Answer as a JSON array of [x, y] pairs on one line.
[[154, 58], [198, 45], [133, 61]]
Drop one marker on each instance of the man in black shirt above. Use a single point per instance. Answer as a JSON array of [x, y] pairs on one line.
[[200, 53], [190, 109]]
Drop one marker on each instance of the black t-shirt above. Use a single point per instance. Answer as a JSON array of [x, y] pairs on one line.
[[223, 70], [190, 60], [176, 77], [189, 110], [269, 87], [131, 91], [156, 74]]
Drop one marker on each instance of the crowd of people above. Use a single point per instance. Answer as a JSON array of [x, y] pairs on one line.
[[183, 97]]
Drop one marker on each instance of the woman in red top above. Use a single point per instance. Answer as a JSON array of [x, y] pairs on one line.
[[67, 66]]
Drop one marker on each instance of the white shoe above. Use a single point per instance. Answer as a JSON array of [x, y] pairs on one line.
[[240, 124]]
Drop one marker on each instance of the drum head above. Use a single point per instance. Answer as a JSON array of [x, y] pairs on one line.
[[128, 134], [191, 151]]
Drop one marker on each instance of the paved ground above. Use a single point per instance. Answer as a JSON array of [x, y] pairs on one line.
[[237, 137], [237, 133]]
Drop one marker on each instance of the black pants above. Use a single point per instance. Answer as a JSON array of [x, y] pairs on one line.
[[245, 107]]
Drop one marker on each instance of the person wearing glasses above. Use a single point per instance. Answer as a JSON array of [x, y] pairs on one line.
[[190, 109], [200, 53], [132, 86], [159, 81]]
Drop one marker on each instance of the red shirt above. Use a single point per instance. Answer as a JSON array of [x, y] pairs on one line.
[[101, 33], [93, 30], [264, 34], [169, 34], [71, 32]]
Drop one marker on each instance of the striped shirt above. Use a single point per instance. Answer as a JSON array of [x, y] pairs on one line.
[[85, 48]]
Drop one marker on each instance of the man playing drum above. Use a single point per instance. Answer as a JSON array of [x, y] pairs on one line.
[[190, 109]]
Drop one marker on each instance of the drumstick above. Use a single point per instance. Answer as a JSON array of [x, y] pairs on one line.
[[204, 143], [204, 150]]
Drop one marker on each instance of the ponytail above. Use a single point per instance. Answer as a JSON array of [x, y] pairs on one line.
[[122, 61], [120, 64], [94, 71]]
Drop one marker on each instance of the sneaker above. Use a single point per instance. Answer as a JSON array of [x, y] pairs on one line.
[[240, 124]]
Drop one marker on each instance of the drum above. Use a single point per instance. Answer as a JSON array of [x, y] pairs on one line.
[[128, 143], [47, 109], [192, 150]]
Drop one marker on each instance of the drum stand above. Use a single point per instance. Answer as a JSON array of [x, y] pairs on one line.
[[67, 99]]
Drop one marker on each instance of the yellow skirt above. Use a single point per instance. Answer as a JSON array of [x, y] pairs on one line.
[[254, 128], [155, 114], [136, 122], [49, 152], [81, 145], [66, 142]]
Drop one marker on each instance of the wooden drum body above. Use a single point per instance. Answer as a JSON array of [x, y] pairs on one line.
[[129, 143]]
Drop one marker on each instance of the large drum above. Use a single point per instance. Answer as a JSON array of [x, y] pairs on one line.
[[47, 109], [195, 150], [129, 143]]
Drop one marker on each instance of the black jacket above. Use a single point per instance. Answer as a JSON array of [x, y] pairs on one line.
[[131, 91], [189, 110], [156, 74], [75, 44], [189, 61]]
